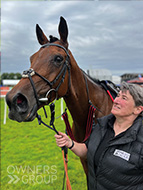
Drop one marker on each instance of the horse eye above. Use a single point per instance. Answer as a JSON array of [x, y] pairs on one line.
[[58, 59]]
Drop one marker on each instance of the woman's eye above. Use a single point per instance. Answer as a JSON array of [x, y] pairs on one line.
[[124, 98]]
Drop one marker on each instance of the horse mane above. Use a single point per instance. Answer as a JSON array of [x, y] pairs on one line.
[[53, 39]]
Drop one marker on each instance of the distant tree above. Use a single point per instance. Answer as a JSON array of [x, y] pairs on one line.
[[4, 76], [0, 79], [11, 76], [18, 75]]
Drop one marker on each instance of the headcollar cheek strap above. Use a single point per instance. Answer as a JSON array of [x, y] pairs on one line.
[[34, 90], [28, 74]]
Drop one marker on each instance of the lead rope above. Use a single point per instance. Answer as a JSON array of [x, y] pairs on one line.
[[64, 149], [68, 185]]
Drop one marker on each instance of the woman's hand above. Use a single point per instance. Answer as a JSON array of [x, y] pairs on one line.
[[79, 149], [63, 140]]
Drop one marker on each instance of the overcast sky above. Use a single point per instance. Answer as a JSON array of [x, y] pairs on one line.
[[102, 34]]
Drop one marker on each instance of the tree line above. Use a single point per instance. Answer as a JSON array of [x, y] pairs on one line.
[[11, 76]]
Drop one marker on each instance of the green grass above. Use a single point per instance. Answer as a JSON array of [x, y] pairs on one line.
[[29, 153]]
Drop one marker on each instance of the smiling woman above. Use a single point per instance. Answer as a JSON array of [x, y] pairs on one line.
[[123, 105], [114, 150], [127, 106]]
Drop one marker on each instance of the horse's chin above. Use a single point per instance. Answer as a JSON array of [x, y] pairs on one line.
[[23, 117], [32, 114]]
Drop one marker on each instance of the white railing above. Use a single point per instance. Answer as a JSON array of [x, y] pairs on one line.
[[2, 95]]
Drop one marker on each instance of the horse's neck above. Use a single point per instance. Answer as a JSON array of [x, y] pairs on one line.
[[78, 103]]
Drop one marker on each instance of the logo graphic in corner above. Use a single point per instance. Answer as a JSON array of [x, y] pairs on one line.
[[13, 179], [32, 174]]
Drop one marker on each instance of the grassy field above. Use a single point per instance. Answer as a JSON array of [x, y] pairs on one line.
[[31, 160]]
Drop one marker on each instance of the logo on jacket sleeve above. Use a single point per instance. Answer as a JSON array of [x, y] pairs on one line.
[[122, 154]]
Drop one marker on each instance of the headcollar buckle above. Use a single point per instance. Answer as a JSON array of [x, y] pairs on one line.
[[28, 72]]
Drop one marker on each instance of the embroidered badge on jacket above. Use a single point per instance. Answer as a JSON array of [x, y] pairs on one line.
[[122, 154]]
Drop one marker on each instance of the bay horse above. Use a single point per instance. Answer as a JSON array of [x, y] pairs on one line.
[[54, 73]]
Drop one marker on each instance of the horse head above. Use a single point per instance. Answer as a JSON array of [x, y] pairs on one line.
[[47, 79]]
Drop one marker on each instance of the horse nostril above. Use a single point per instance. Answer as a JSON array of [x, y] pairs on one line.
[[21, 102]]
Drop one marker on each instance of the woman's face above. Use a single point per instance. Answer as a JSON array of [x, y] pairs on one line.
[[123, 105]]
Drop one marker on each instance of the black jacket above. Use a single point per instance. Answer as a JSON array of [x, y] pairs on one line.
[[120, 167]]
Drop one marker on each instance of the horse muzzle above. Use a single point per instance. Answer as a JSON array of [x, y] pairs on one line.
[[19, 108]]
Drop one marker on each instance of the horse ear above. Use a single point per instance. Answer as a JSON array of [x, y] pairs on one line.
[[63, 30], [40, 35]]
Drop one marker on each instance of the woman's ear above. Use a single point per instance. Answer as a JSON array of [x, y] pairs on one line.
[[138, 110]]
